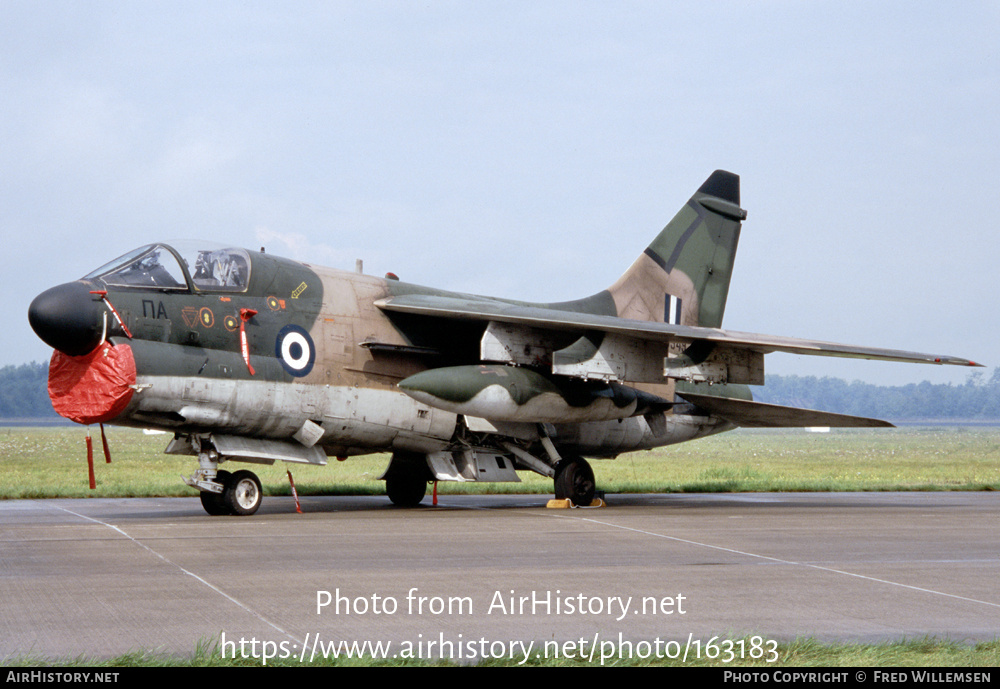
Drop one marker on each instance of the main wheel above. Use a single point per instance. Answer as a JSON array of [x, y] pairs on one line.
[[575, 481], [242, 495], [212, 502], [406, 478], [405, 489]]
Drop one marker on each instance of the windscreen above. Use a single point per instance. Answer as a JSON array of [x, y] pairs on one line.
[[149, 266]]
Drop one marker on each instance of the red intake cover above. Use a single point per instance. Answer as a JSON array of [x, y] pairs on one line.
[[92, 388]]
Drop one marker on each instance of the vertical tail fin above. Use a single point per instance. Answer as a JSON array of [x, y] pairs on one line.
[[683, 275]]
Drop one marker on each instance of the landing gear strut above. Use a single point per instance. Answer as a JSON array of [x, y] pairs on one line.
[[575, 481]]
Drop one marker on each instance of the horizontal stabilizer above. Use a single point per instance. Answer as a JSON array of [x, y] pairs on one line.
[[750, 414]]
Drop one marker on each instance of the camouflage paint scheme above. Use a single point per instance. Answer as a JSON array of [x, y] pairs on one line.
[[456, 386]]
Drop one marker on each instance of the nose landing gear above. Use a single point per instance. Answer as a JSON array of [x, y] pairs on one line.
[[240, 494]]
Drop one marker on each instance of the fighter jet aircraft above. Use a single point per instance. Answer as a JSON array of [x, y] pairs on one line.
[[247, 357]]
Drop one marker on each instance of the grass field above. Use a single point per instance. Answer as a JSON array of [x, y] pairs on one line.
[[52, 462]]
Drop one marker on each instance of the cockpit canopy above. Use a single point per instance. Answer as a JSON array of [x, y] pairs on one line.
[[182, 266]]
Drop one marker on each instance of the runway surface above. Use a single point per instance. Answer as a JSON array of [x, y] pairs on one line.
[[101, 577]]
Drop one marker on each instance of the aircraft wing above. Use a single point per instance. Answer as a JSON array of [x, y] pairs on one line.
[[547, 318]]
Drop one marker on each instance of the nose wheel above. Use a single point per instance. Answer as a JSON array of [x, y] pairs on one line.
[[241, 494], [212, 502]]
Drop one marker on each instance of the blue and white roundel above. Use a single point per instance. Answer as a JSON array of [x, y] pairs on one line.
[[295, 350]]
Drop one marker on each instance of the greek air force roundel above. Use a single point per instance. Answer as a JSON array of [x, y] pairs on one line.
[[295, 350]]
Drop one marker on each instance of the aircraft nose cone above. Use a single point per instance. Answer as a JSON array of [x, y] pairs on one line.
[[67, 318]]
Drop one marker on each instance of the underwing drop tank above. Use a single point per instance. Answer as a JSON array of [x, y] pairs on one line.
[[517, 394]]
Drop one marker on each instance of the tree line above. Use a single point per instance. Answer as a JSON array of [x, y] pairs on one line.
[[978, 399], [24, 391], [24, 394]]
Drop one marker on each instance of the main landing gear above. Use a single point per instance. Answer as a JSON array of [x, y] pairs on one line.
[[408, 473], [575, 481], [405, 491], [241, 494], [406, 479]]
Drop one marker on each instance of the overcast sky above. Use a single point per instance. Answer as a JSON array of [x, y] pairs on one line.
[[524, 150]]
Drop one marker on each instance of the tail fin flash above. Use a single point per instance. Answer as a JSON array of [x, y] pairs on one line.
[[683, 276]]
